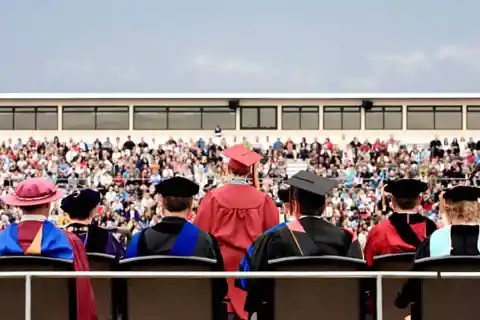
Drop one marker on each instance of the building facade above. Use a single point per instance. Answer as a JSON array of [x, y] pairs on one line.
[[409, 117]]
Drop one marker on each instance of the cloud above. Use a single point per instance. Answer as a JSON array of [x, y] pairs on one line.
[[462, 55], [227, 65], [362, 84], [400, 62]]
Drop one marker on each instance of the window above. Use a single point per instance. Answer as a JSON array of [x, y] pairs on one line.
[[186, 118], [28, 118], [112, 118], [384, 118], [6, 118], [96, 118], [341, 118], [434, 117], [473, 117], [150, 118], [300, 118], [258, 118], [225, 117]]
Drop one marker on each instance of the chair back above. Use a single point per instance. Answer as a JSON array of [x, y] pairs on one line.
[[314, 298], [179, 298], [391, 286], [53, 299], [444, 299], [105, 294]]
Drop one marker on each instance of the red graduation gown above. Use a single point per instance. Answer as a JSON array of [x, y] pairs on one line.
[[389, 236], [236, 215], [86, 308]]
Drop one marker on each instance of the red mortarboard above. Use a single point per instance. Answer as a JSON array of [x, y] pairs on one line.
[[241, 158]]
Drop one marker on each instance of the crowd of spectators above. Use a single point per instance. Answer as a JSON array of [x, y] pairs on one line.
[[127, 171]]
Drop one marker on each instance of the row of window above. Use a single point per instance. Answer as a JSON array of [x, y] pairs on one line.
[[207, 118]]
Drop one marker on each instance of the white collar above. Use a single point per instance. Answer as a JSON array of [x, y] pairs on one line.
[[316, 217], [33, 217], [406, 212]]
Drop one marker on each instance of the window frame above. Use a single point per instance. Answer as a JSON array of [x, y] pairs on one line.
[[119, 109], [258, 126], [397, 110], [435, 110], [203, 110], [302, 110], [343, 110], [475, 109], [12, 110]]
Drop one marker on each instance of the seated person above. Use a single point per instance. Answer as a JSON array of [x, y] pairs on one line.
[[461, 209], [176, 236], [35, 235], [309, 235], [81, 206]]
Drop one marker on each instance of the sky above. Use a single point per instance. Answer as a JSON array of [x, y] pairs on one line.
[[248, 46]]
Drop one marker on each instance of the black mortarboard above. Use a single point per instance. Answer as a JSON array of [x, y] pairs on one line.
[[177, 187], [311, 182], [405, 188], [80, 202], [462, 193], [284, 195]]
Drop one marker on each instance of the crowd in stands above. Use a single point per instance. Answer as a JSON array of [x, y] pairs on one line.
[[127, 171]]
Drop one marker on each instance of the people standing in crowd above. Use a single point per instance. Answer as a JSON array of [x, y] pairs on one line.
[[236, 214]]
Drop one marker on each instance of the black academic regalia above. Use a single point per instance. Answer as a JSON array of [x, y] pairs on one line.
[[320, 238], [161, 238], [96, 239], [464, 242]]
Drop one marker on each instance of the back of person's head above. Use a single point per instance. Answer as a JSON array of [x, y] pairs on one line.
[[405, 203], [177, 204], [310, 203]]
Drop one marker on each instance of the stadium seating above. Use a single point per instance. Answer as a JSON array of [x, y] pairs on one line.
[[52, 299], [307, 298], [149, 298], [104, 289], [391, 286], [447, 299]]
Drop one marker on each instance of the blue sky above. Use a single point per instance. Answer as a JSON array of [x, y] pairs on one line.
[[239, 46]]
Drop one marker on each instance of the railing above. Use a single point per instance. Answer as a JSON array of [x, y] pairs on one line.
[[247, 275]]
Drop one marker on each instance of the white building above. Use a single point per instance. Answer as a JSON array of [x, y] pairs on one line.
[[409, 117]]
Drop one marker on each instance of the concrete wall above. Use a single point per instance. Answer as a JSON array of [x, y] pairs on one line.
[[335, 135]]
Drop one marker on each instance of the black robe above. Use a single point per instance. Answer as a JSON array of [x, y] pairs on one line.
[[320, 238], [96, 239], [464, 242], [161, 239]]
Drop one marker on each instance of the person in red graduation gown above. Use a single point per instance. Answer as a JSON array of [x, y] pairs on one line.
[[406, 228], [236, 214], [35, 235]]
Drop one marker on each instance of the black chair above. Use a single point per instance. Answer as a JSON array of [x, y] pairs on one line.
[[180, 298], [104, 289], [391, 286], [443, 299], [311, 298], [53, 299]]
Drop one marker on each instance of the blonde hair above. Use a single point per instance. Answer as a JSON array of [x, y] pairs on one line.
[[463, 211]]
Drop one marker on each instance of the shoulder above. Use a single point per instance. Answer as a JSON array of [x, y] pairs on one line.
[[440, 233], [278, 228]]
